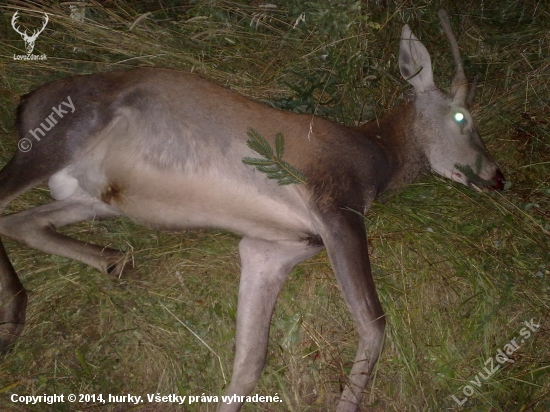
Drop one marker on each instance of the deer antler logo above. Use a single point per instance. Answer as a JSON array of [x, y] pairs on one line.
[[29, 40]]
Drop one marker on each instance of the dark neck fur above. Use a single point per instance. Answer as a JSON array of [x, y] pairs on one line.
[[402, 143]]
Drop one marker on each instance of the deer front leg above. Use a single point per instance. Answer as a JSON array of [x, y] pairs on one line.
[[265, 266], [346, 243]]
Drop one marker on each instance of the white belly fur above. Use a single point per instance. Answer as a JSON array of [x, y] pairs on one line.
[[178, 202], [175, 200]]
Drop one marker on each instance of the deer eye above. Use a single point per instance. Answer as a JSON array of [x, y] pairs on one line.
[[459, 117]]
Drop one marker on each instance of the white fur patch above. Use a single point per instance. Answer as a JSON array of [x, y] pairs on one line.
[[62, 185]]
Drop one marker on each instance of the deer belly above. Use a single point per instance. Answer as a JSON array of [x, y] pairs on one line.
[[174, 201]]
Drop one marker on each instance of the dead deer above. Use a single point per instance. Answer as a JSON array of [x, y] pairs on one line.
[[165, 148]]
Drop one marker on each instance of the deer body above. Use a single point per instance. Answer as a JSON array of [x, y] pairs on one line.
[[165, 148]]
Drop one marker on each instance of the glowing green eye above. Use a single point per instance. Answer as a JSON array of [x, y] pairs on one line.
[[459, 117]]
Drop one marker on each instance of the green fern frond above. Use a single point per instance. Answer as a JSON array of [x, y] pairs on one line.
[[279, 145], [272, 164]]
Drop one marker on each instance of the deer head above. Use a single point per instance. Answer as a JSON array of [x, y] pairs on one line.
[[453, 146]]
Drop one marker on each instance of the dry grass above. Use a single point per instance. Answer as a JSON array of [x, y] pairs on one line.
[[457, 271]]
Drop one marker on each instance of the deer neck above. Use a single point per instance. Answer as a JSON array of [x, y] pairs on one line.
[[400, 134]]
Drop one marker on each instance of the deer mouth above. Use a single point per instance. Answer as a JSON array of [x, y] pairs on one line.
[[482, 185], [474, 181], [498, 181]]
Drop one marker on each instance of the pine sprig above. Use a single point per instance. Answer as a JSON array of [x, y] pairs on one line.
[[272, 164]]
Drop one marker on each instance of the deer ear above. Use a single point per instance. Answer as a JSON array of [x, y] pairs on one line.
[[415, 64]]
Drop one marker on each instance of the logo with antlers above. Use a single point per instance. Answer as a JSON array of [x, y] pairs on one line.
[[29, 40]]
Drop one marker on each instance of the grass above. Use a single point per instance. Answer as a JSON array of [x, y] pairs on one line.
[[457, 271]]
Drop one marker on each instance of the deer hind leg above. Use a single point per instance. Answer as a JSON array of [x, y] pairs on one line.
[[13, 303], [36, 228], [265, 266], [23, 172]]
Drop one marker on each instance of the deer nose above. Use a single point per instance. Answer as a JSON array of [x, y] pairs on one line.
[[499, 179]]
